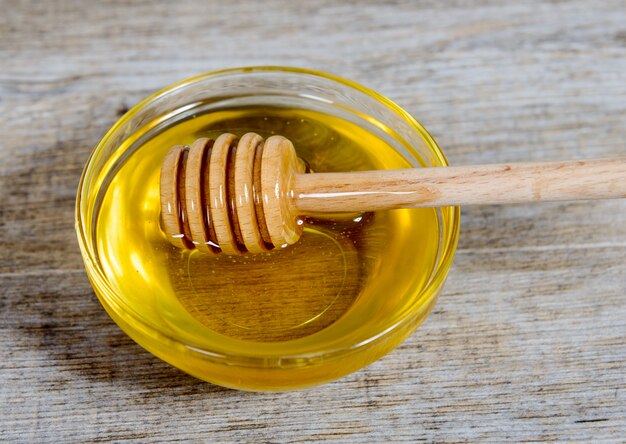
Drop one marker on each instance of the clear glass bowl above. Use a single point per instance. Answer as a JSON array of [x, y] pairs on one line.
[[247, 364]]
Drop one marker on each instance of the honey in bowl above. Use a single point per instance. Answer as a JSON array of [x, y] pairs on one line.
[[288, 318]]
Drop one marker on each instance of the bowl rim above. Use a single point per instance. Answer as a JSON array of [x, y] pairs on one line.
[[430, 289]]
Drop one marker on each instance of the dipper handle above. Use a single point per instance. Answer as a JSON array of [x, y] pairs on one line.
[[464, 185]]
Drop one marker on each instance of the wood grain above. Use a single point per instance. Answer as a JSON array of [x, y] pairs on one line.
[[527, 342]]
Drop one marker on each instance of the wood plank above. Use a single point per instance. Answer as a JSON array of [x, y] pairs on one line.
[[527, 342]]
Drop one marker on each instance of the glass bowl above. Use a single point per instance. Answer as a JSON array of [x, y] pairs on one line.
[[366, 330]]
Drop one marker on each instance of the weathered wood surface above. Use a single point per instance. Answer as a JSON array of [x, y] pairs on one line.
[[528, 340]]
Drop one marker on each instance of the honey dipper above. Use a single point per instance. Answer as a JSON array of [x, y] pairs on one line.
[[246, 195]]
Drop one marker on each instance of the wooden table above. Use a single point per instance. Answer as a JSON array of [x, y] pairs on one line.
[[528, 340]]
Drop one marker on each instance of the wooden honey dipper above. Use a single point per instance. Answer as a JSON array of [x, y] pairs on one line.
[[246, 195]]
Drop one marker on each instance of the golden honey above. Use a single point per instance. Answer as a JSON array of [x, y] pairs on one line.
[[341, 263]]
